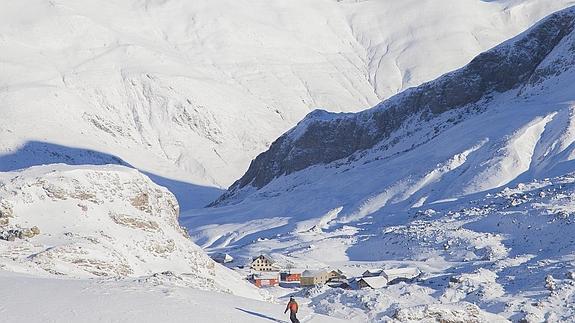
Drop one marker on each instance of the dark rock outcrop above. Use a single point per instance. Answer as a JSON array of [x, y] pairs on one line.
[[324, 137], [12, 234]]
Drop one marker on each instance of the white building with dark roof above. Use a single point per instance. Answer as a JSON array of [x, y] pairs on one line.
[[376, 282], [264, 263], [372, 273]]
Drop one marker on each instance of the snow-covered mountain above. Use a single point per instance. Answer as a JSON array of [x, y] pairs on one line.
[[529, 66], [191, 91], [468, 177]]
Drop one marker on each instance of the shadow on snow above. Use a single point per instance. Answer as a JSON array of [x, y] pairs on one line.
[[260, 315], [35, 153]]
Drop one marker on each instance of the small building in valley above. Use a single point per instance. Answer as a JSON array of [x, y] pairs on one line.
[[264, 263], [336, 275], [343, 284], [265, 279], [314, 277], [396, 275], [372, 282]]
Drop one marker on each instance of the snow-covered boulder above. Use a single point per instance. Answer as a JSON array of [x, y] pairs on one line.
[[101, 221]]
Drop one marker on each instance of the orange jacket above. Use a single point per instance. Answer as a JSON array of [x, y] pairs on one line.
[[292, 306]]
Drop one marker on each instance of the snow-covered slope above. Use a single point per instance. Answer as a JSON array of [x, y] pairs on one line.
[[106, 221], [191, 91], [468, 177], [67, 300]]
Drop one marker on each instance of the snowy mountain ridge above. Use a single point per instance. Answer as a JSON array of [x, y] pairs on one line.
[[522, 133], [191, 91], [322, 138]]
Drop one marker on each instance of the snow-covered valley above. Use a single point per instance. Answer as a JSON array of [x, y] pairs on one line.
[[117, 116]]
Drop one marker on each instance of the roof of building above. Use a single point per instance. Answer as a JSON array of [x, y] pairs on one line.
[[375, 282], [408, 272], [293, 270], [375, 272], [291, 273], [312, 273], [340, 282], [267, 275]]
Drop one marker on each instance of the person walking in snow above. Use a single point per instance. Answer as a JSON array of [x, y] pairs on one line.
[[292, 307]]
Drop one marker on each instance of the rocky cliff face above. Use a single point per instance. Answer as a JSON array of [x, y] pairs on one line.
[[324, 137]]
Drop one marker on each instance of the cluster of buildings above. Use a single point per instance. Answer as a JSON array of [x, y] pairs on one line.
[[266, 272]]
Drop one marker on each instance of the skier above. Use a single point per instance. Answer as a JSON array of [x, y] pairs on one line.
[[292, 307]]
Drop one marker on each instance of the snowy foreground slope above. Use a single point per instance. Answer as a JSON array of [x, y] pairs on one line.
[[107, 247], [33, 299], [468, 177], [191, 91]]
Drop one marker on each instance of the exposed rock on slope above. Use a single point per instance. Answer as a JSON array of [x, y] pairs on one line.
[[107, 221], [324, 137]]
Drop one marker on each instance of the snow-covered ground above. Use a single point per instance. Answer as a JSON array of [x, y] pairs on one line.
[[33, 299], [489, 253]]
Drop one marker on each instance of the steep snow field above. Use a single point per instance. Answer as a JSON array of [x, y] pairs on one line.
[[191, 91], [413, 41]]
